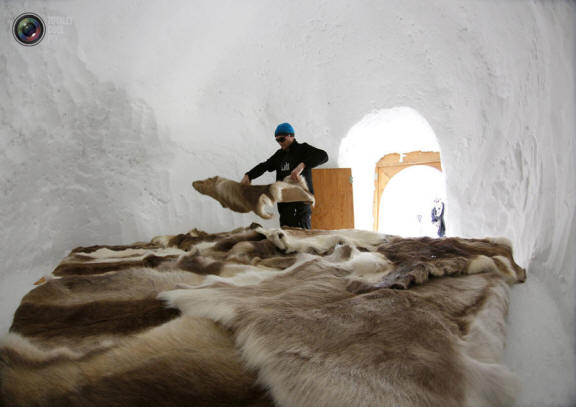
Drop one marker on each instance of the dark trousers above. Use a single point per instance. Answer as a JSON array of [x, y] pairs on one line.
[[295, 214]]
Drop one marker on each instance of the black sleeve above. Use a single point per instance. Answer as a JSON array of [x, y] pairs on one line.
[[312, 156], [268, 165]]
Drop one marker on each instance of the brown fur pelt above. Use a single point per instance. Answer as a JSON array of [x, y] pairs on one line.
[[267, 317], [254, 198]]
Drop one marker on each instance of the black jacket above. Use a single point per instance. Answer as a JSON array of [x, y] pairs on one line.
[[284, 161], [438, 221]]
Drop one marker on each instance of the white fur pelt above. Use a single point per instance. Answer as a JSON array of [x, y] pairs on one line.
[[314, 344], [259, 199], [296, 240]]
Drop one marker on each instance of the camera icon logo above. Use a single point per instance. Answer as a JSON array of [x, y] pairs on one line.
[[28, 29]]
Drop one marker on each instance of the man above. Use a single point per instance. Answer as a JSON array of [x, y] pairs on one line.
[[438, 217], [292, 159]]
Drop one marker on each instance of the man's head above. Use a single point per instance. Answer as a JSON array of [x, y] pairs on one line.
[[284, 135], [438, 205]]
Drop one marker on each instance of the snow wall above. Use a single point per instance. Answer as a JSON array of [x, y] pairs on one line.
[[105, 123]]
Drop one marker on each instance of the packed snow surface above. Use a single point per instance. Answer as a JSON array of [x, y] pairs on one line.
[[106, 122]]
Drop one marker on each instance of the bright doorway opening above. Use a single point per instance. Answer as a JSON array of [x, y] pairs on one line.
[[398, 130], [407, 202]]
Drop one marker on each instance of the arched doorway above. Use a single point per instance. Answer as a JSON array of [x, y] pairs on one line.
[[390, 165], [377, 134], [406, 203]]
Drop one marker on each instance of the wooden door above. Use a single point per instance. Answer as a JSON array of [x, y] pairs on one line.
[[334, 207]]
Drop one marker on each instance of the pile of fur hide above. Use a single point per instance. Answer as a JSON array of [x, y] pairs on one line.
[[259, 199], [267, 317]]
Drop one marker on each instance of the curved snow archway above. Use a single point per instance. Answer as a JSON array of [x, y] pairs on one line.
[[381, 132], [407, 202]]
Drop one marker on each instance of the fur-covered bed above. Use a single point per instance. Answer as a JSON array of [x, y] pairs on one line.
[[267, 317]]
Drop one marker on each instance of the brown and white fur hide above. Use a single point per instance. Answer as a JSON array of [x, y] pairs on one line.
[[266, 317], [315, 344], [259, 199]]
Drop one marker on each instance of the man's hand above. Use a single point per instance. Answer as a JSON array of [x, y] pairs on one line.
[[296, 171], [245, 180]]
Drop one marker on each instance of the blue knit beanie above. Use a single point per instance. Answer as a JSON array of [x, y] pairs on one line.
[[284, 128]]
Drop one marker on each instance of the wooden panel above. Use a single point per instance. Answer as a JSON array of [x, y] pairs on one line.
[[334, 199], [431, 158]]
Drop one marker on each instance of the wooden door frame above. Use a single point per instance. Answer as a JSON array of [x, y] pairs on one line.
[[392, 164]]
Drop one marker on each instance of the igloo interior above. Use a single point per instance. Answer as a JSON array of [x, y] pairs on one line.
[[106, 122]]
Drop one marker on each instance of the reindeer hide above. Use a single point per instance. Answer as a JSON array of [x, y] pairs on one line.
[[267, 317], [256, 198]]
